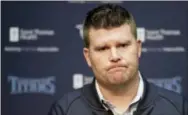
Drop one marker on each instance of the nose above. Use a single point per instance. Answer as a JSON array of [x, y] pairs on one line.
[[115, 56]]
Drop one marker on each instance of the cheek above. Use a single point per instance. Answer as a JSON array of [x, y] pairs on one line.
[[97, 61], [100, 64], [131, 57]]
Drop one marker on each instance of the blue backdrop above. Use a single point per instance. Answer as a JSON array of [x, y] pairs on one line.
[[42, 50]]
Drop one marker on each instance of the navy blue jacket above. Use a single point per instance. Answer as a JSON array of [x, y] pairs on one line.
[[85, 101]]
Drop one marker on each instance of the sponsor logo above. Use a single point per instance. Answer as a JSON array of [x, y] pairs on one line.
[[32, 85], [157, 34], [79, 80], [17, 34]]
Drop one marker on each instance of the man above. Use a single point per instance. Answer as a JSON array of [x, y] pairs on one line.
[[112, 50]]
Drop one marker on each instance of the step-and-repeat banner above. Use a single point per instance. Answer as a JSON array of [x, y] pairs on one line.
[[42, 45]]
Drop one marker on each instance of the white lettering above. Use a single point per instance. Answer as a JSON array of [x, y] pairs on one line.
[[44, 32], [170, 32]]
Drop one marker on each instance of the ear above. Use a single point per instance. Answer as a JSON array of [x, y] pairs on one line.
[[86, 55], [139, 47]]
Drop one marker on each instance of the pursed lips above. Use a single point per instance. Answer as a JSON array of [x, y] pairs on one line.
[[116, 67]]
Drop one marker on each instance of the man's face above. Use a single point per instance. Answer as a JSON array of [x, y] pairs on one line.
[[113, 54]]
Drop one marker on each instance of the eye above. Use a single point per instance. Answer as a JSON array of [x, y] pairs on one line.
[[103, 48], [123, 45]]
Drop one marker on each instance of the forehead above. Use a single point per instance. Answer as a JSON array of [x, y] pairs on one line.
[[122, 33]]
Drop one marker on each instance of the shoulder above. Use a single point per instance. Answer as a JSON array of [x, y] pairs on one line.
[[169, 99], [168, 94], [70, 97], [61, 106]]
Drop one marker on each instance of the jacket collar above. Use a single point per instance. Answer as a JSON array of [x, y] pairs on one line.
[[150, 94], [89, 93]]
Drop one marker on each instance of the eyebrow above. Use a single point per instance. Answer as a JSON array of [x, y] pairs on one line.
[[126, 41], [117, 43]]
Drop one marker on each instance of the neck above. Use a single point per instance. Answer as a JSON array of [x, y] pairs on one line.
[[124, 93]]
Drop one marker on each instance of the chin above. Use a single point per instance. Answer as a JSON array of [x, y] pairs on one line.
[[117, 80]]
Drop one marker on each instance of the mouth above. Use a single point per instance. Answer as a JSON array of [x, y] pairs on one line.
[[116, 68]]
